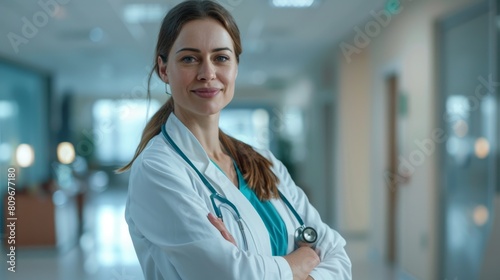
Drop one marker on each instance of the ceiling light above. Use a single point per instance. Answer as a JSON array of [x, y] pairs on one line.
[[480, 215], [139, 13], [482, 148], [65, 152], [292, 3], [25, 155]]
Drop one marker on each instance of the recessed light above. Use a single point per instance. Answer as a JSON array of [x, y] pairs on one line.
[[292, 3], [139, 13], [482, 148]]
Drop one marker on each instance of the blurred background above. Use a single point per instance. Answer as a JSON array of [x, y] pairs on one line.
[[384, 112]]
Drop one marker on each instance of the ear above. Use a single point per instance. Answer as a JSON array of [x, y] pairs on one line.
[[162, 69]]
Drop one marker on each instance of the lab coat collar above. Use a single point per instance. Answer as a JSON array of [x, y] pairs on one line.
[[193, 149], [187, 142]]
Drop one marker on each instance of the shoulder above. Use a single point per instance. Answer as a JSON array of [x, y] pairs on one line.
[[158, 169], [277, 166], [286, 183], [157, 156], [266, 154]]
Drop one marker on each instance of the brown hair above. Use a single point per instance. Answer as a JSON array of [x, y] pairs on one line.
[[255, 168]]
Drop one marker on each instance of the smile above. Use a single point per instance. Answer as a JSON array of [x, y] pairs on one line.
[[206, 92]]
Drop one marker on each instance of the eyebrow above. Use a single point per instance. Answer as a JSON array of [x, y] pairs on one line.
[[199, 51]]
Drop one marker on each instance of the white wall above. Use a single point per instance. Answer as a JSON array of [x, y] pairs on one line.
[[353, 160]]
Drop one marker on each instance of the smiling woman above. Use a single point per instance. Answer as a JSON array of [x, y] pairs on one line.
[[202, 69], [186, 169]]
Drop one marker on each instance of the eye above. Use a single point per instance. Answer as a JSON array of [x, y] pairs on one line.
[[188, 59], [222, 58]]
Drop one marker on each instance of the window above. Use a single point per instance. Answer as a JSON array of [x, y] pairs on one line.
[[248, 125], [118, 125]]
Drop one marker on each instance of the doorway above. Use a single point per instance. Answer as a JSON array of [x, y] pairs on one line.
[[395, 176]]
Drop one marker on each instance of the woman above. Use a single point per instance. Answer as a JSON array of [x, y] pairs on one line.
[[182, 175]]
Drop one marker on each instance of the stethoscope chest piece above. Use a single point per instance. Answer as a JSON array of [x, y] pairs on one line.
[[306, 236]]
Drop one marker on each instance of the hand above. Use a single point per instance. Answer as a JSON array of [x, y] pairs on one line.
[[302, 261], [219, 224]]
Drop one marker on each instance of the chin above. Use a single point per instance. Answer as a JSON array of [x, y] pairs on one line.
[[210, 110], [214, 107]]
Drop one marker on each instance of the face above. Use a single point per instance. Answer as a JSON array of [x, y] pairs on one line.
[[201, 69]]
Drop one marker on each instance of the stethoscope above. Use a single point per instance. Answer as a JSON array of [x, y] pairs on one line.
[[304, 236]]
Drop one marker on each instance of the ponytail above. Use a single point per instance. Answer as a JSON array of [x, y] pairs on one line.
[[256, 169]]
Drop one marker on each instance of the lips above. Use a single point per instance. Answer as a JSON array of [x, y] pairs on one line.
[[206, 92]]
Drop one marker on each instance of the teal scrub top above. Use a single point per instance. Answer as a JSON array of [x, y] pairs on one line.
[[271, 218]]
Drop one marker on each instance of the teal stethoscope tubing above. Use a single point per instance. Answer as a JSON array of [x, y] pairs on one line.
[[216, 196]]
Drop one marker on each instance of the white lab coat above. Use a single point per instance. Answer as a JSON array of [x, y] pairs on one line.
[[167, 209]]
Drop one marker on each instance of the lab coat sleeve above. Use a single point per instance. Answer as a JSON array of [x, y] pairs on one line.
[[172, 216], [335, 264]]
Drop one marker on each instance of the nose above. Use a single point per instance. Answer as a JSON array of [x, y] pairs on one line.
[[206, 71]]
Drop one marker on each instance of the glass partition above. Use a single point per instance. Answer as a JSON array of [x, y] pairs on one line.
[[468, 158], [24, 103]]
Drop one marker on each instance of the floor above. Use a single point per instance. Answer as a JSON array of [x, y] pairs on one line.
[[105, 251]]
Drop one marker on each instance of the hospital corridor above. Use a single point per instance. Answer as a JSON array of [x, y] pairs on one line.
[[384, 113]]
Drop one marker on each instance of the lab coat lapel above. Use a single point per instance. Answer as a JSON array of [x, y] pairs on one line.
[[186, 141], [192, 148], [289, 219]]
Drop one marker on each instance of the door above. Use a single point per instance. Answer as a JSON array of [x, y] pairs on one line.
[[393, 151]]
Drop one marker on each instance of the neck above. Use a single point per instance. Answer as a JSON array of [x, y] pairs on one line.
[[206, 130]]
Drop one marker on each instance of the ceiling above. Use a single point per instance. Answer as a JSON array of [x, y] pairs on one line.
[[91, 49]]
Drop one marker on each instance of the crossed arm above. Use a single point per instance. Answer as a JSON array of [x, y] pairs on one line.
[[302, 261]]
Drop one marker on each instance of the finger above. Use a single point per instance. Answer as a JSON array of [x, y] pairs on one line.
[[228, 236], [318, 251], [216, 222], [219, 225]]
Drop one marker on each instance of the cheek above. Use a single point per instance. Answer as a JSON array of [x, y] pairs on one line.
[[230, 76], [180, 77]]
